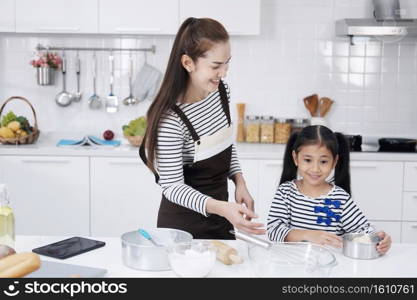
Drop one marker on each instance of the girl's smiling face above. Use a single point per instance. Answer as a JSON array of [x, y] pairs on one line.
[[315, 163], [206, 72]]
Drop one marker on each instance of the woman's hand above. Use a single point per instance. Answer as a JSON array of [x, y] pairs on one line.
[[316, 237], [384, 245], [242, 194], [234, 213]]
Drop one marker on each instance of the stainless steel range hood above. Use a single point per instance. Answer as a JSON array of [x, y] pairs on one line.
[[374, 28]]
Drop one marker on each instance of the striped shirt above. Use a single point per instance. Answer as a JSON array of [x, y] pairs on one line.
[[175, 148], [335, 212]]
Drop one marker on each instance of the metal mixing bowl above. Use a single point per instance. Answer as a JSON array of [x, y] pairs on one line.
[[361, 250], [139, 253], [292, 260]]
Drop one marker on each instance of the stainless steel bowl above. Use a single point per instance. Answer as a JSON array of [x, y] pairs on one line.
[[354, 248], [139, 253]]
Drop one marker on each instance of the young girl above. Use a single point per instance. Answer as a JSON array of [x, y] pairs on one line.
[[189, 138], [312, 208]]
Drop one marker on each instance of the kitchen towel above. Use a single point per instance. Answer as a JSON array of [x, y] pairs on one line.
[[146, 82]]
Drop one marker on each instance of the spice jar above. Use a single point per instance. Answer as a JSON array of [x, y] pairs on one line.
[[267, 129], [252, 129], [299, 124], [282, 131]]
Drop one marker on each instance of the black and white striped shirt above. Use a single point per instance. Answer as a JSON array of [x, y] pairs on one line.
[[175, 148], [291, 209]]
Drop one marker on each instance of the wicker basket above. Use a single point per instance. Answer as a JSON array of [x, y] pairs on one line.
[[30, 138], [135, 140]]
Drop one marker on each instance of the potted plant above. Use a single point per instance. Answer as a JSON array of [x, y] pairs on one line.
[[46, 63]]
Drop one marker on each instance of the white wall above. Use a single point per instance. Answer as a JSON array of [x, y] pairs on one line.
[[374, 84]]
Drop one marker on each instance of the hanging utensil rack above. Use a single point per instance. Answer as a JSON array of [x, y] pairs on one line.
[[40, 47]]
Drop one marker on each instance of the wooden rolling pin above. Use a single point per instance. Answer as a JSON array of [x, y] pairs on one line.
[[226, 254], [19, 265]]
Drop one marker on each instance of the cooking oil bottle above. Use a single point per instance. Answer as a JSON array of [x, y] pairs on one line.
[[7, 232]]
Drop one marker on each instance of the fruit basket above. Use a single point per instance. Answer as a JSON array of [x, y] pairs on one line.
[[21, 139], [135, 140]]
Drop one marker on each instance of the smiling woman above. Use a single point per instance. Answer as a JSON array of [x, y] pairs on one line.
[[189, 138]]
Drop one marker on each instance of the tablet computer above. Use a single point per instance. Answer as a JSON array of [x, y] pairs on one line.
[[69, 247]]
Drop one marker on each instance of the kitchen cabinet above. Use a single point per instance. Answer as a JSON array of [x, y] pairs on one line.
[[240, 17], [124, 196], [409, 232], [57, 16], [377, 189], [138, 16], [7, 16], [410, 206], [410, 176], [49, 195]]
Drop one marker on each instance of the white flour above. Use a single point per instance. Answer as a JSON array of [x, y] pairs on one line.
[[363, 239], [192, 263]]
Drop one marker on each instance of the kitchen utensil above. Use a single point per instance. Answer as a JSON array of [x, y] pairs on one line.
[[147, 236], [138, 253], [361, 245], [95, 101], [130, 100], [192, 259], [240, 125], [226, 254], [355, 142], [64, 98], [19, 264], [288, 259], [324, 107], [397, 145], [112, 102], [77, 95], [311, 103]]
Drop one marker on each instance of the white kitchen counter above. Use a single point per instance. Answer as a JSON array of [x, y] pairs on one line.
[[401, 260], [46, 146]]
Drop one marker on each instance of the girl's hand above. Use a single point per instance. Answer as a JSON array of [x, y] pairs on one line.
[[234, 213], [384, 245], [242, 196], [323, 238]]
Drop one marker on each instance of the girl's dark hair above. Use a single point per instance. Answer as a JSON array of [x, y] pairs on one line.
[[321, 135], [194, 38]]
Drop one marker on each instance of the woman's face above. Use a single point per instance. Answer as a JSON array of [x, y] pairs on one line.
[[206, 72], [314, 163]]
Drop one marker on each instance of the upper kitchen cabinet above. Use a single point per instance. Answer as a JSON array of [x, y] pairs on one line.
[[56, 16], [7, 16], [240, 17], [138, 16]]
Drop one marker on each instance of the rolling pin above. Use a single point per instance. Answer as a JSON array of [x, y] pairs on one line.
[[19, 265], [226, 254]]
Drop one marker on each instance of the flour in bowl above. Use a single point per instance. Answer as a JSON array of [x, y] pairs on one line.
[[363, 239]]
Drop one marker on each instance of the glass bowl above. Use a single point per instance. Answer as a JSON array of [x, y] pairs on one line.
[[292, 260], [192, 259]]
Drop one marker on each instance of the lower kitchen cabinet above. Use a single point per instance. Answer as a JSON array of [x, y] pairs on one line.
[[124, 196], [49, 195], [392, 228], [409, 232]]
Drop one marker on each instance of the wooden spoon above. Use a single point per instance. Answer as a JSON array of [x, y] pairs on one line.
[[311, 103]]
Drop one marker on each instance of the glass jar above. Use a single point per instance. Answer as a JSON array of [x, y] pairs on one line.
[[299, 124], [252, 127], [282, 131], [267, 129]]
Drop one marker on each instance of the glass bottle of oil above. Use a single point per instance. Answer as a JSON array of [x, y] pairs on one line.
[[7, 231]]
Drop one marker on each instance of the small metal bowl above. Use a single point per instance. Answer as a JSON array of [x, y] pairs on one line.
[[353, 247], [139, 253]]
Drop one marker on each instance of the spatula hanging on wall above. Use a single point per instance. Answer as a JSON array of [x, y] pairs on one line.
[[112, 102]]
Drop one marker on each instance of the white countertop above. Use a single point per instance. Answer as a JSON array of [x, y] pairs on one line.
[[46, 146], [401, 260]]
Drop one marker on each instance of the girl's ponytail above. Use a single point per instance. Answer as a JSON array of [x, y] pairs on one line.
[[289, 171], [342, 173]]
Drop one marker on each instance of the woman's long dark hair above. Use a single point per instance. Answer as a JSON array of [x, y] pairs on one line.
[[194, 38], [321, 135]]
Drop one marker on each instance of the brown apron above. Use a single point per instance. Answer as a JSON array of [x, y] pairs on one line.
[[208, 176]]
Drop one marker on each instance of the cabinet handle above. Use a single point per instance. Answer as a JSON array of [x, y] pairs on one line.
[[137, 30], [414, 226], [41, 161], [364, 165], [59, 29]]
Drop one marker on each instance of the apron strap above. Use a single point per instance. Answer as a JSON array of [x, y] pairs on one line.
[[187, 122], [225, 101]]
